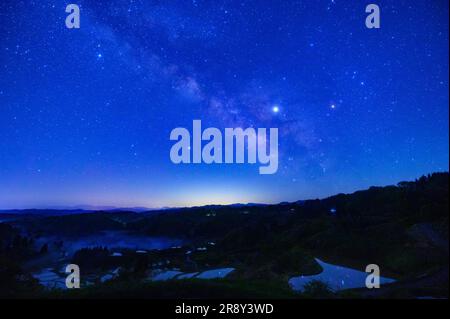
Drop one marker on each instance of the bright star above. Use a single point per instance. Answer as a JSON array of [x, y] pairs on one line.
[[275, 109], [333, 106]]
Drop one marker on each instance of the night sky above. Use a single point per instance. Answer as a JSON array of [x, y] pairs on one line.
[[86, 114]]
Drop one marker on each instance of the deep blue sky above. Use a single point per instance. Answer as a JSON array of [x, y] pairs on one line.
[[85, 115]]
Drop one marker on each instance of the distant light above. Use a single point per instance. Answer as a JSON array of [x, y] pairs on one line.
[[333, 106], [333, 211], [275, 109], [99, 55]]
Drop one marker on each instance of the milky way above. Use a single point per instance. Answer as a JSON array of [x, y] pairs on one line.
[[86, 114]]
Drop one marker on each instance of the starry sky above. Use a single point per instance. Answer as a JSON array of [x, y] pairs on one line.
[[86, 114]]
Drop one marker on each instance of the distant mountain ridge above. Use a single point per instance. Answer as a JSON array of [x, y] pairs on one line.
[[80, 209], [89, 209]]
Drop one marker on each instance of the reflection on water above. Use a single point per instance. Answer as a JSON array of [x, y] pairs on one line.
[[215, 273], [50, 279], [188, 275], [111, 275], [60, 255], [207, 274], [114, 239], [337, 277], [166, 275]]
